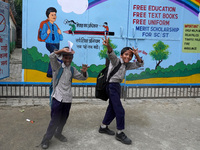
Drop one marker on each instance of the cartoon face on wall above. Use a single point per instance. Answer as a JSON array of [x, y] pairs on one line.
[[161, 30], [52, 17]]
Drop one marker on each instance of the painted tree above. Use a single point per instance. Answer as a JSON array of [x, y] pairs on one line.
[[159, 53], [103, 53]]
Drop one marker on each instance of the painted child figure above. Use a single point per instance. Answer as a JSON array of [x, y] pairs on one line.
[[52, 33], [115, 108], [62, 94]]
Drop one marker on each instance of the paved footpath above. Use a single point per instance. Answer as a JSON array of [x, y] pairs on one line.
[[164, 124]]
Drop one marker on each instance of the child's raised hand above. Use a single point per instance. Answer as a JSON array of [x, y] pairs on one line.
[[106, 41], [84, 67], [65, 49], [135, 51]]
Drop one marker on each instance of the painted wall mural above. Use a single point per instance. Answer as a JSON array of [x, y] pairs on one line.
[[166, 32]]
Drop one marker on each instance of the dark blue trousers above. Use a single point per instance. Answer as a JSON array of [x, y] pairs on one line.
[[115, 108], [59, 115], [51, 47]]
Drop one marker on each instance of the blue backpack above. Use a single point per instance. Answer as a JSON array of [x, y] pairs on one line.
[[56, 82]]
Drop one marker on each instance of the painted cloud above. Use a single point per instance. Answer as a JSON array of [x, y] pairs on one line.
[[76, 6]]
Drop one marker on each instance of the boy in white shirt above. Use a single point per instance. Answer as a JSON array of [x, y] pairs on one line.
[[115, 108], [62, 94]]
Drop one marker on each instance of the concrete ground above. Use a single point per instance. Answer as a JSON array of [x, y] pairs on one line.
[[151, 124]]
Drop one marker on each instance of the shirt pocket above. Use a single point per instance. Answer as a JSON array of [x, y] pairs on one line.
[[121, 73]]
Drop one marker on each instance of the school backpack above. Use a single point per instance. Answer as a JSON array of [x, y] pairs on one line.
[[40, 30], [102, 80], [56, 82]]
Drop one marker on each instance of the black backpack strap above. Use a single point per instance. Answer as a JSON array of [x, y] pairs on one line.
[[114, 70]]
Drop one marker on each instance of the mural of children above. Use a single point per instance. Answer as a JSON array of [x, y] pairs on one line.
[[71, 23], [52, 34], [105, 25]]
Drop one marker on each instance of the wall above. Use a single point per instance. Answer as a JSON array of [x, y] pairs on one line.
[[166, 32]]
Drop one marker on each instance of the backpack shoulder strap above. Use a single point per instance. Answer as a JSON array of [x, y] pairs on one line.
[[59, 75], [72, 71], [43, 22], [57, 25], [48, 24], [114, 70]]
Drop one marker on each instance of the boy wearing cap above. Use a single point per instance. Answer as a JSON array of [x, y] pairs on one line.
[[62, 94]]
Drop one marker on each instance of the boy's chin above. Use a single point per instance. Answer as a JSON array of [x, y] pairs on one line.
[[67, 64], [126, 61]]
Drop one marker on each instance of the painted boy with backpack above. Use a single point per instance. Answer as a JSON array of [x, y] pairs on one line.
[[115, 108], [50, 33], [62, 94]]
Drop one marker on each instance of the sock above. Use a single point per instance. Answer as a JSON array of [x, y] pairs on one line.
[[119, 131], [103, 126]]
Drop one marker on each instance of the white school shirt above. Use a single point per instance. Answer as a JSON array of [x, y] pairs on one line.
[[63, 91], [119, 75]]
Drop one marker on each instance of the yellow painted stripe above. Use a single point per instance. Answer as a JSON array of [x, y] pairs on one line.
[[38, 76], [189, 79]]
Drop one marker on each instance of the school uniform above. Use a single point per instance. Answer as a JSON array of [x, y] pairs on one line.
[[61, 96], [113, 89], [53, 40]]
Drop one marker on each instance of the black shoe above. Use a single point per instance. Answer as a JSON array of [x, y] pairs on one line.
[[45, 145], [123, 138], [106, 131], [60, 137], [49, 75]]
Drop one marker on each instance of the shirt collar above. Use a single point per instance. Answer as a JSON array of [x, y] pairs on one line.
[[64, 66], [50, 23], [121, 60]]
